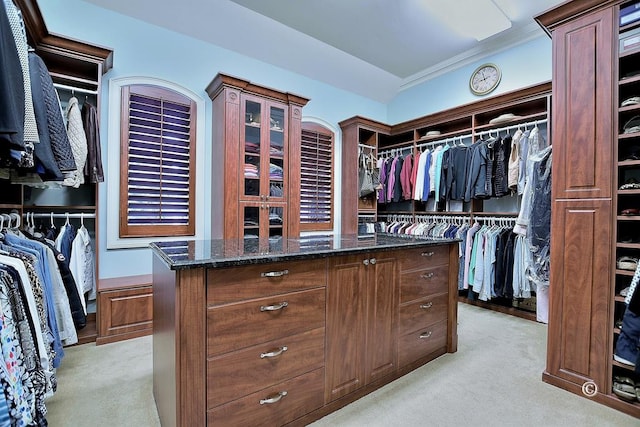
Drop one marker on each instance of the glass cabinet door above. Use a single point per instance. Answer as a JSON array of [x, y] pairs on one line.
[[263, 226], [277, 153], [252, 148]]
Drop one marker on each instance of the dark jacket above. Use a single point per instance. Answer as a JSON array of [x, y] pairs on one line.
[[93, 166], [11, 89], [42, 150]]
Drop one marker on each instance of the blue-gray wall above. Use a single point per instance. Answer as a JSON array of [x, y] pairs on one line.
[[145, 50]]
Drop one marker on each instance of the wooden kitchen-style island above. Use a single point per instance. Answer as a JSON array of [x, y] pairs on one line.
[[252, 332]]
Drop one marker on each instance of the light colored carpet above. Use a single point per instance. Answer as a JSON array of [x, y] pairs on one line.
[[493, 380]]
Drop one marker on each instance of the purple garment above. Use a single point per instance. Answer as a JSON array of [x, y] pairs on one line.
[[427, 183], [392, 179], [383, 182]]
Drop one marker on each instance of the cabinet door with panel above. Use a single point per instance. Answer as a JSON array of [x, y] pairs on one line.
[[582, 104], [579, 337], [362, 318]]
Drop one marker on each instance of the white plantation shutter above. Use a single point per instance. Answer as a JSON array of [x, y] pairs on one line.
[[158, 155], [316, 178]]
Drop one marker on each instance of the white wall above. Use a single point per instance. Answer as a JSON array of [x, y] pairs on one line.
[[141, 49]]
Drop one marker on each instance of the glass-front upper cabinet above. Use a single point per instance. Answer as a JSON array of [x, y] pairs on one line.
[[264, 152]]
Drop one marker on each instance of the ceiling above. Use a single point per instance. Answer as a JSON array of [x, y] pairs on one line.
[[370, 47]]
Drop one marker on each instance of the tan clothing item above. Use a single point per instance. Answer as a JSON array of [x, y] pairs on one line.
[[514, 161]]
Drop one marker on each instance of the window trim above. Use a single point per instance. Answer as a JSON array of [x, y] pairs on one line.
[[321, 127], [111, 206]]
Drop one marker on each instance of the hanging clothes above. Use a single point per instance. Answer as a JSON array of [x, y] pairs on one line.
[[12, 95], [82, 261], [78, 141], [30, 127], [46, 165]]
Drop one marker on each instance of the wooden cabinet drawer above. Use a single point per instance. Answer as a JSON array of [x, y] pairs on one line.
[[422, 342], [423, 312], [419, 283], [234, 326], [427, 257], [240, 373], [261, 280], [303, 395]]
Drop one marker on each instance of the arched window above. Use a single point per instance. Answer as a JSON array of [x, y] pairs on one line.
[[316, 178], [157, 162]]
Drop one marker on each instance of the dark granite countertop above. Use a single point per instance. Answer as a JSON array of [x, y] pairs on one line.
[[229, 253]]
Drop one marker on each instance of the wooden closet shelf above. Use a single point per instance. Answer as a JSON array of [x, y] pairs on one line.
[[625, 272], [629, 53], [59, 208], [622, 365], [629, 80], [628, 245], [459, 132], [515, 121], [10, 206], [629, 108], [629, 163], [619, 298], [628, 27], [629, 135], [628, 217]]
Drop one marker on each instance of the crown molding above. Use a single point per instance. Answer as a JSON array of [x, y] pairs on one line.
[[499, 44]]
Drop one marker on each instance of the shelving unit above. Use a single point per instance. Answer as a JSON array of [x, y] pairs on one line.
[[469, 123], [628, 169], [589, 167]]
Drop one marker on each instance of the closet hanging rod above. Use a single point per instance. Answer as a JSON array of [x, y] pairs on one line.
[[59, 215], [395, 150], [368, 147], [511, 127], [444, 141], [75, 89], [496, 218]]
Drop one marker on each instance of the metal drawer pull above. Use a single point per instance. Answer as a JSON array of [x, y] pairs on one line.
[[427, 276], [274, 307], [275, 273], [428, 253], [425, 335], [276, 353], [365, 262], [427, 305], [372, 261], [274, 399]]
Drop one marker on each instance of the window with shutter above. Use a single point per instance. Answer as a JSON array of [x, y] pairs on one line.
[[157, 162], [316, 178]]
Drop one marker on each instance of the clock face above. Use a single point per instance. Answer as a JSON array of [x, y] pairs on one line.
[[484, 79]]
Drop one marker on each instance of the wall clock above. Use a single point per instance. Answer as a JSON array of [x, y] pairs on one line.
[[485, 79]]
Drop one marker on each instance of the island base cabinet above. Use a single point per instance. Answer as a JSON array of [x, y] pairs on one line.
[[273, 406], [286, 342]]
